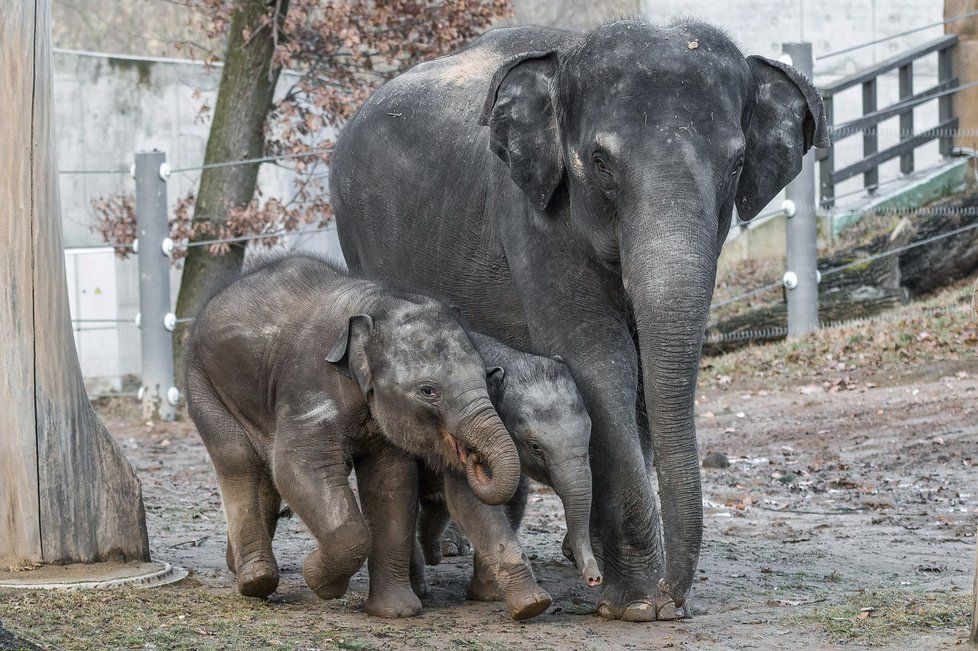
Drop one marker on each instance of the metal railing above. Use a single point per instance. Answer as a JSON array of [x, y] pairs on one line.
[[873, 115]]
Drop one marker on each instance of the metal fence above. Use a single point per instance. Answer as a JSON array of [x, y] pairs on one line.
[[802, 277], [154, 249], [867, 125]]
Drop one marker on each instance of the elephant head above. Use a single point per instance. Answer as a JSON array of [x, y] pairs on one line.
[[640, 141], [425, 387], [546, 416]]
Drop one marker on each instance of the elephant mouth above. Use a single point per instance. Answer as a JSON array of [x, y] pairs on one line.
[[475, 466]]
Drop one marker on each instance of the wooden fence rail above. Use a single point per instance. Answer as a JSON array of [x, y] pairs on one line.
[[867, 124]]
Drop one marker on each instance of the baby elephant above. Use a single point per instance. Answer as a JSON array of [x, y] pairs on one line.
[[295, 372], [539, 403]]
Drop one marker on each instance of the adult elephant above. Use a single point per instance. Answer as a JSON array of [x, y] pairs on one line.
[[570, 193]]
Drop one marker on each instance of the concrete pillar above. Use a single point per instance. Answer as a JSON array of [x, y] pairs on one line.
[[966, 68]]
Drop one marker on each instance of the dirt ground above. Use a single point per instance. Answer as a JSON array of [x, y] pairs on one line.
[[846, 517]]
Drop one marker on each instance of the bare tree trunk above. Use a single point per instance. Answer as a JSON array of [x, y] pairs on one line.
[[67, 492], [244, 100]]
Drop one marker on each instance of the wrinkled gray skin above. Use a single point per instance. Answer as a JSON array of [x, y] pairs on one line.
[[570, 193], [295, 372], [539, 404]]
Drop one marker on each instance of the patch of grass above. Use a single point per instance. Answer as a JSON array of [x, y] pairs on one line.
[[181, 616], [875, 617], [941, 328]]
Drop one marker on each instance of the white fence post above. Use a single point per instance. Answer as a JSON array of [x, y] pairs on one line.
[[801, 275], [158, 392]]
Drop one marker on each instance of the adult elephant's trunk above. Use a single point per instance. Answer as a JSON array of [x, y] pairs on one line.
[[572, 482], [492, 464], [669, 269]]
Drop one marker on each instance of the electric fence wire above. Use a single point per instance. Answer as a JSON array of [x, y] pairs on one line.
[[884, 39]]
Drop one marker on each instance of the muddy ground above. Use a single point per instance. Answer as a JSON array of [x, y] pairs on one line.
[[847, 517]]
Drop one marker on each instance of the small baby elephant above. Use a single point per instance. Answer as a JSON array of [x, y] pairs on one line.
[[545, 414], [295, 373]]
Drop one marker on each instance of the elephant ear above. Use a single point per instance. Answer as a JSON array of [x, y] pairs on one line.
[[347, 354], [788, 119], [494, 382], [521, 114]]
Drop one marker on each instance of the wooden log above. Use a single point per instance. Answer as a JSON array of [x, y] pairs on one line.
[[67, 492], [863, 290], [770, 323]]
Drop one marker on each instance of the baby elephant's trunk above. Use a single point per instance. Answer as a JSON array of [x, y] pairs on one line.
[[492, 467], [572, 482]]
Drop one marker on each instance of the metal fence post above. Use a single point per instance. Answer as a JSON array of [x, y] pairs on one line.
[[158, 394], [801, 276]]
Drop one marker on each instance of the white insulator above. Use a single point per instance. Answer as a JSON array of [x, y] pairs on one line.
[[141, 392], [790, 279], [138, 319], [173, 395], [135, 245], [167, 246], [789, 208], [786, 59], [170, 321], [165, 171]]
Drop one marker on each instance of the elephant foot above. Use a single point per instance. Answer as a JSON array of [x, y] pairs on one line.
[[454, 543], [431, 550], [523, 596], [258, 578], [636, 605], [484, 589], [326, 585], [419, 584], [529, 604], [393, 603]]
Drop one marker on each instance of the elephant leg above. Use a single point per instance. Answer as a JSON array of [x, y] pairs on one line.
[[603, 358], [496, 544], [432, 520], [419, 582], [312, 476], [453, 542], [387, 480], [516, 506], [240, 475], [269, 503], [483, 586]]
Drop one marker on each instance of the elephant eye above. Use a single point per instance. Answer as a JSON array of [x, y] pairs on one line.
[[536, 447], [428, 392], [599, 163]]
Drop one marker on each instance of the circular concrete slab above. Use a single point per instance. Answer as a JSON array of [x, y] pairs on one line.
[[92, 576]]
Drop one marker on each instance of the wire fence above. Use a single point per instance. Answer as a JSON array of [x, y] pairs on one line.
[[915, 30], [780, 332], [865, 259]]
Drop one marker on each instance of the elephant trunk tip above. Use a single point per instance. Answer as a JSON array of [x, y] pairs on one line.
[[591, 573]]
